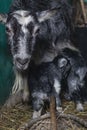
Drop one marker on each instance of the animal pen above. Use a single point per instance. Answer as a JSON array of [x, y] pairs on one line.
[[19, 117]]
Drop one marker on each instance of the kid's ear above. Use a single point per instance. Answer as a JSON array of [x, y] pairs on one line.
[[62, 62]]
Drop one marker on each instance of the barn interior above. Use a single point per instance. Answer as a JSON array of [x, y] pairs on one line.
[[20, 116]]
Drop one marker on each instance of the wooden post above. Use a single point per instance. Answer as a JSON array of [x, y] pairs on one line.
[[83, 11], [53, 113]]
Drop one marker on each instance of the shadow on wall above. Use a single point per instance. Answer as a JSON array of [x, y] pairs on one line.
[[6, 70]]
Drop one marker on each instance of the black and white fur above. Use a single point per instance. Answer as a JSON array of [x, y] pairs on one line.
[[34, 27], [77, 89], [45, 81]]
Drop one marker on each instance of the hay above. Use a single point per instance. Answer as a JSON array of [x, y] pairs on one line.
[[11, 119], [19, 118]]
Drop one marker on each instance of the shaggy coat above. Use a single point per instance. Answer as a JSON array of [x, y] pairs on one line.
[[42, 39], [77, 90], [45, 81], [37, 30], [55, 32]]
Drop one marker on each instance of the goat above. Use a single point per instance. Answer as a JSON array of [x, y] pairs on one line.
[[77, 90], [44, 81], [33, 28]]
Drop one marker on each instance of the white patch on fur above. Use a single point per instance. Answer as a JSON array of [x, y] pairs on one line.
[[40, 95], [62, 62], [79, 107], [22, 18], [21, 12], [21, 83], [22, 48], [45, 15], [24, 29], [35, 29], [18, 84], [59, 109], [26, 90], [73, 86], [37, 113], [57, 86], [22, 51]]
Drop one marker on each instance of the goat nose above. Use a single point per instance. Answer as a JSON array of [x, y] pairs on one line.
[[22, 61]]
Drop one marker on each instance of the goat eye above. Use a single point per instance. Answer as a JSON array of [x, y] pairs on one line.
[[8, 30]]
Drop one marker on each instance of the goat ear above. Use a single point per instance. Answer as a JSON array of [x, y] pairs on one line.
[[3, 18], [45, 15], [62, 62]]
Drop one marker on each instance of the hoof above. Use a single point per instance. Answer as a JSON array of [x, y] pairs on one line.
[[37, 114], [59, 109], [79, 107], [13, 100], [67, 96]]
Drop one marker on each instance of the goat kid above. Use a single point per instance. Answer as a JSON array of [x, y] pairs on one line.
[[45, 81], [77, 89]]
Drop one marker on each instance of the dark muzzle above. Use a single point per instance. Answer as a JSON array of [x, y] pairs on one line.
[[22, 64]]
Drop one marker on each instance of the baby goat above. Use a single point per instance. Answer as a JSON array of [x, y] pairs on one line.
[[76, 78], [44, 81]]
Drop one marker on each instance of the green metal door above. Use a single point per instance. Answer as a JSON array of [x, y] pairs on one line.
[[6, 71]]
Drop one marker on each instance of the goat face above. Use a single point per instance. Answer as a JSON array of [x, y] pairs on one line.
[[21, 28]]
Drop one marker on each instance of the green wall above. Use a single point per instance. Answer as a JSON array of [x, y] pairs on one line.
[[6, 70]]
